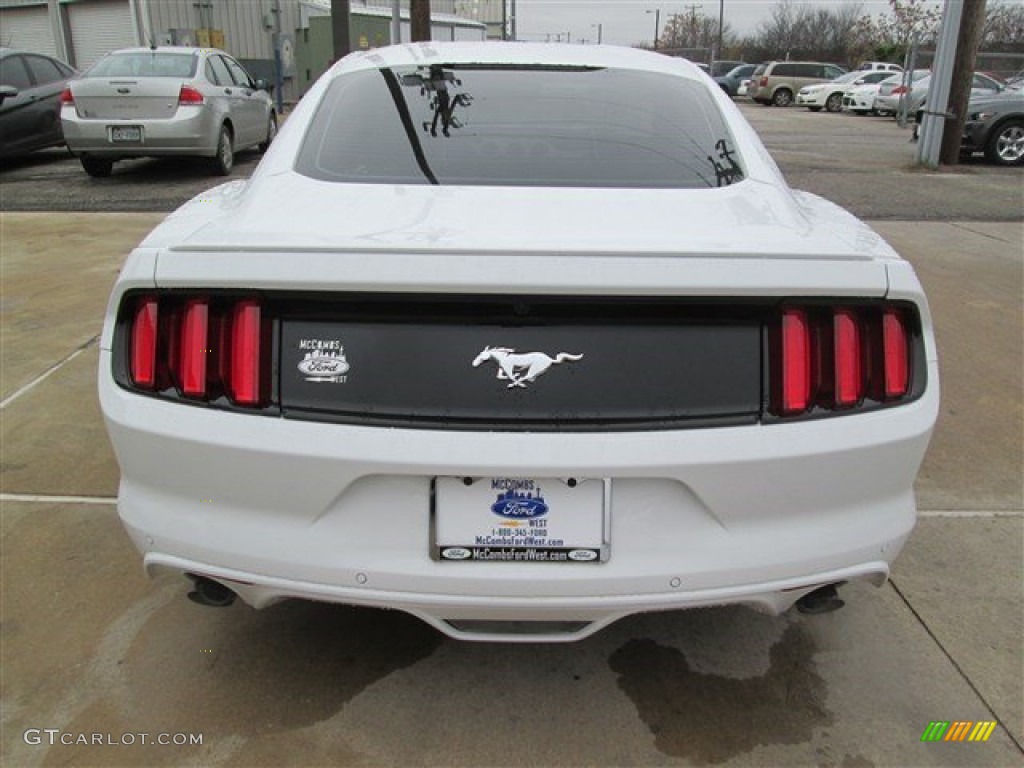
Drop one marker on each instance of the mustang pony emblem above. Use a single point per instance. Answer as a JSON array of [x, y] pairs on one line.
[[522, 368]]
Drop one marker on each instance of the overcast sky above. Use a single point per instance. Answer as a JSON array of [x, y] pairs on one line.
[[625, 22]]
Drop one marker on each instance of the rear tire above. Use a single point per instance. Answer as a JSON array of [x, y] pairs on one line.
[[271, 133], [1005, 144], [834, 103], [782, 97], [224, 160], [96, 167]]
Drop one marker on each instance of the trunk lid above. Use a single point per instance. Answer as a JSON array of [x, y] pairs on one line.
[[126, 98]]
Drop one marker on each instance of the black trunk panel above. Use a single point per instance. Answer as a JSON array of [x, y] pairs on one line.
[[649, 365]]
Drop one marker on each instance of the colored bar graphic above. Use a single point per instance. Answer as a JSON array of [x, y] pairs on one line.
[[982, 731], [935, 731], [958, 730]]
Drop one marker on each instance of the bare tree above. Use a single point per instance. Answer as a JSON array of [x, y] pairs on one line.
[[1004, 27], [694, 30], [798, 30]]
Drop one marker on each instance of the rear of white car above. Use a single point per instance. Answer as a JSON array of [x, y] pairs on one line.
[[516, 411]]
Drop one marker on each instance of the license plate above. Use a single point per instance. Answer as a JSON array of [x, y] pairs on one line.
[[125, 133], [520, 519]]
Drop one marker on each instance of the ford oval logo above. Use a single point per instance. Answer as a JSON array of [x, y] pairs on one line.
[[518, 509], [455, 553], [583, 555], [323, 365]]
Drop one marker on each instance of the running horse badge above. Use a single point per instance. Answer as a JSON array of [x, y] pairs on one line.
[[521, 368]]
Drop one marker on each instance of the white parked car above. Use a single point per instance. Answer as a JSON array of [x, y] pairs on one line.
[[166, 102], [830, 95], [892, 92], [477, 344], [883, 66], [860, 99]]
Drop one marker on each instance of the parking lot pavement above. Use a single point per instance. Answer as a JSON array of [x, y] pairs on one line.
[[57, 274], [91, 647]]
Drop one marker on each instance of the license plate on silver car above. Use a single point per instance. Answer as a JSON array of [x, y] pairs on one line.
[[119, 133], [520, 519]]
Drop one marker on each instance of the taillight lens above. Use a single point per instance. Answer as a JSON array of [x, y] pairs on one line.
[[143, 343], [763, 83], [899, 89], [189, 95], [66, 97], [849, 381], [796, 362], [200, 347], [246, 368], [895, 354], [195, 348], [826, 358]]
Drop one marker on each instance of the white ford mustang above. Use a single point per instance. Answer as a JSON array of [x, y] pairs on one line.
[[520, 339]]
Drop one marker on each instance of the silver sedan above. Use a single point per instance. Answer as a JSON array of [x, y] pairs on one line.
[[166, 101]]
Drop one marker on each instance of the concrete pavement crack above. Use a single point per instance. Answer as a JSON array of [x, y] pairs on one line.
[[49, 372], [956, 665]]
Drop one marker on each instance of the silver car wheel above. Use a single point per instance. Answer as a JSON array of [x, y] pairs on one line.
[[224, 160], [1010, 144], [271, 134]]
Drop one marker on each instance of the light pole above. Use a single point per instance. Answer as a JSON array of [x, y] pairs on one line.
[[721, 16], [657, 24], [599, 27]]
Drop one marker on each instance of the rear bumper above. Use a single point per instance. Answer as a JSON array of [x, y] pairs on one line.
[[277, 508], [466, 617], [857, 103], [191, 131], [811, 100]]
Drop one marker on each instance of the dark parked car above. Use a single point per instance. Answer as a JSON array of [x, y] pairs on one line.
[[995, 126], [723, 67], [30, 88], [730, 82]]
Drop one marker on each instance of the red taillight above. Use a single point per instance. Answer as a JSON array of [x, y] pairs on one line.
[[246, 342], [763, 83], [895, 348], [207, 348], [66, 97], [829, 359], [189, 95], [142, 360], [194, 352], [899, 89], [849, 380], [796, 362]]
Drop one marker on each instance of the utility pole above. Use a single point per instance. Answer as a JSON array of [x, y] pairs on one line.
[[396, 22], [721, 24], [339, 29], [419, 20], [657, 26], [972, 22], [278, 67]]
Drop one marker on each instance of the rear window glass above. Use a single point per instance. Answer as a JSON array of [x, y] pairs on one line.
[[145, 64], [519, 126]]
